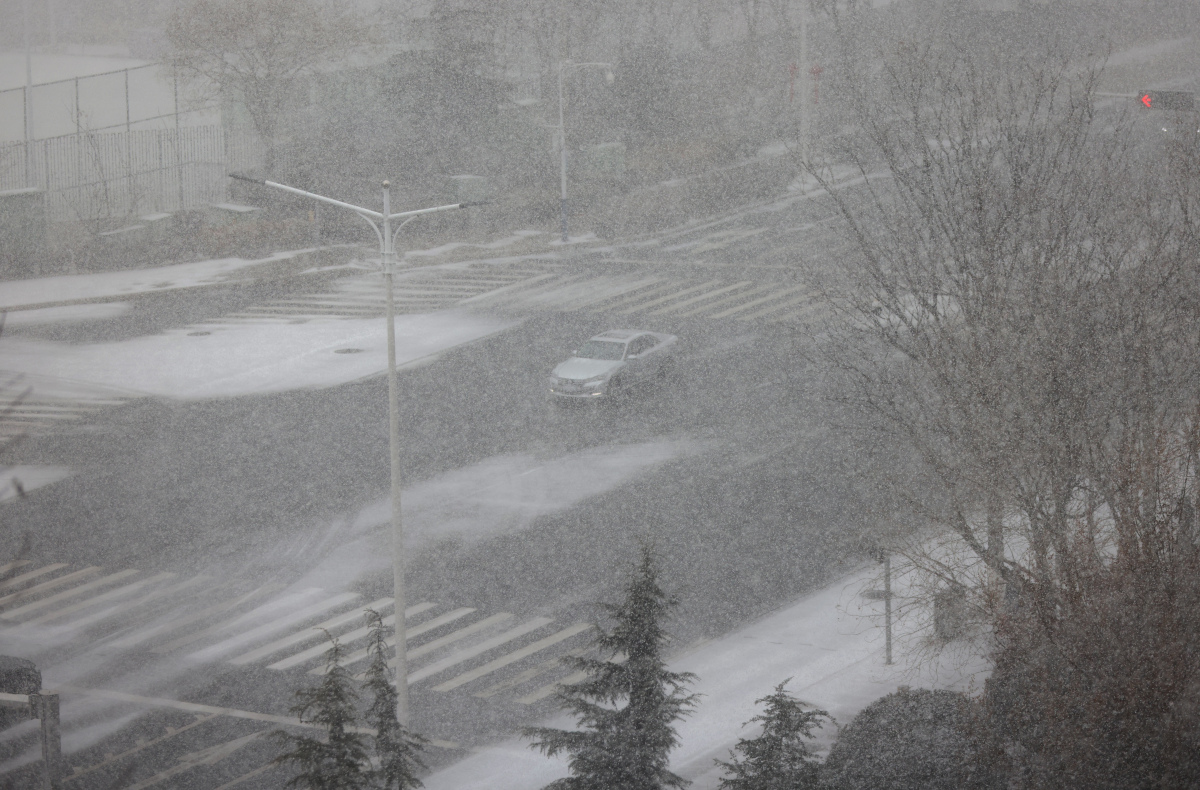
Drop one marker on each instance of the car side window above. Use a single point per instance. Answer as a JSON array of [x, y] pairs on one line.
[[638, 346]]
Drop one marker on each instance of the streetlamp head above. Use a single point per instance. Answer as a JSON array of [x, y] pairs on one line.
[[609, 77], [386, 184]]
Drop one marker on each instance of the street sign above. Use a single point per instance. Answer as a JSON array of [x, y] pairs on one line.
[[1167, 100]]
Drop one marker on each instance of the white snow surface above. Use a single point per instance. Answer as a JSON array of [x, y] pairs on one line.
[[66, 314], [829, 643], [500, 495], [106, 285], [235, 360], [29, 477]]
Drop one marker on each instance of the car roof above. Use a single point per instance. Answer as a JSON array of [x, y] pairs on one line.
[[618, 334]]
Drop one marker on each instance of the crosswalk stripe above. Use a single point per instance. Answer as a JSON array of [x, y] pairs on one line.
[[599, 294], [262, 769], [570, 293], [311, 633], [551, 688], [358, 655], [145, 600], [476, 650], [46, 586], [513, 657], [187, 639], [460, 634], [208, 756], [618, 300], [673, 307], [99, 599], [275, 624], [449, 638], [436, 622], [527, 675], [20, 611], [526, 294], [799, 313], [669, 297], [756, 302], [723, 300], [113, 758], [777, 307], [500, 292], [11, 566]]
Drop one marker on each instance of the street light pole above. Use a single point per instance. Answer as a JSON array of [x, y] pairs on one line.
[[563, 65], [381, 223]]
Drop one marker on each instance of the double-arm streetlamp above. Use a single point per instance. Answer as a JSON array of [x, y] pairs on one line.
[[381, 223], [563, 65]]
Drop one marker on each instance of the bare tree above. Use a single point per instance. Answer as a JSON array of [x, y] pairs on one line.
[[1022, 310], [256, 51]]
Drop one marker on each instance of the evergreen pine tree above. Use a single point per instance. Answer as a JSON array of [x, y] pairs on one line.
[[339, 761], [396, 747], [779, 758], [624, 747]]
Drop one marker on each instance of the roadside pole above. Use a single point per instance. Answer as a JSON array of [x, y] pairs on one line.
[[885, 557], [381, 223], [43, 707]]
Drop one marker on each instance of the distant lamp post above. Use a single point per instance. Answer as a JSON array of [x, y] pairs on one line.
[[381, 223], [563, 65], [883, 556]]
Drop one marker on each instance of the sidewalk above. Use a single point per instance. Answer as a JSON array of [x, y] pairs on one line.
[[831, 646], [93, 287]]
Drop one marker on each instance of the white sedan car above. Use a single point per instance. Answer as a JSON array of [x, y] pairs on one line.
[[611, 363]]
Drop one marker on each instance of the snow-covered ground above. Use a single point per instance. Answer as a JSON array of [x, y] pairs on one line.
[[109, 285], [232, 360], [500, 495], [829, 643]]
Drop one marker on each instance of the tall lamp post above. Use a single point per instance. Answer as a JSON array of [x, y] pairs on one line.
[[381, 223], [563, 65]]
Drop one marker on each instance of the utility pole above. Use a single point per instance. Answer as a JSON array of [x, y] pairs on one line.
[[563, 65], [887, 606], [804, 120], [883, 556], [28, 98], [381, 223]]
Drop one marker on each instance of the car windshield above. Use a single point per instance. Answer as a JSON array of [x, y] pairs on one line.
[[601, 349]]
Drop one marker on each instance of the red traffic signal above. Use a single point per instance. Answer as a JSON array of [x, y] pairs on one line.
[[1167, 100]]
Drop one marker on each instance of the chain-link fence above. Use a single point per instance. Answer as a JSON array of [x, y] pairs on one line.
[[102, 175], [118, 144]]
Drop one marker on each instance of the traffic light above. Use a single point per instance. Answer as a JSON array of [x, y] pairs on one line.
[[1167, 100]]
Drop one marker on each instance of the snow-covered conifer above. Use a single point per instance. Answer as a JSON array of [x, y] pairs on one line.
[[397, 748], [628, 703], [779, 758]]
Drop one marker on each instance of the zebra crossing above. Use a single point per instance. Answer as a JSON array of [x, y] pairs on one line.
[[546, 286], [662, 297], [419, 291], [31, 416], [200, 620]]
